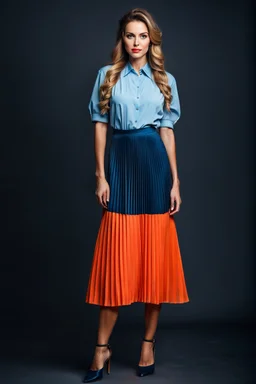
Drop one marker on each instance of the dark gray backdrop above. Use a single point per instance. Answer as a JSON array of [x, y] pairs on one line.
[[52, 53]]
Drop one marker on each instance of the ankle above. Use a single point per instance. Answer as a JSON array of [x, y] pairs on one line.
[[102, 347], [149, 340]]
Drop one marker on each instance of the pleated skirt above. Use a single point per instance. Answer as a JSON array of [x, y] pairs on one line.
[[137, 255]]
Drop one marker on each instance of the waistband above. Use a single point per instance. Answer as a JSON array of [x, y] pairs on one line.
[[146, 128]]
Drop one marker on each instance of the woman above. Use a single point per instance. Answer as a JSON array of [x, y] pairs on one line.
[[137, 256]]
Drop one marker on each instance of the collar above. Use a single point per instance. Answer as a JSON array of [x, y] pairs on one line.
[[129, 68]]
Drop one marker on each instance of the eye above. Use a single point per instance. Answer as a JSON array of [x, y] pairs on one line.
[[128, 36], [144, 36]]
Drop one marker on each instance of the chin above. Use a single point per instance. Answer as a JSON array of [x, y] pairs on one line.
[[136, 54]]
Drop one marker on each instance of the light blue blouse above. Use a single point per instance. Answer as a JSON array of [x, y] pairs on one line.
[[136, 100]]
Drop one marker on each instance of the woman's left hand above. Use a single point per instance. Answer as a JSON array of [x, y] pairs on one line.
[[175, 199]]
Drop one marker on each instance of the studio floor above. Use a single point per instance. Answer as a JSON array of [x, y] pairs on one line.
[[187, 354]]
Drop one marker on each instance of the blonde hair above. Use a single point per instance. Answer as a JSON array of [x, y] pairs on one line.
[[120, 58]]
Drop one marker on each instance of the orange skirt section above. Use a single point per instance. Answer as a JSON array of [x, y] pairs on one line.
[[136, 259]]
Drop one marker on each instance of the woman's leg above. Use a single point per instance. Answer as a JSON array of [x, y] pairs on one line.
[[107, 320], [152, 312]]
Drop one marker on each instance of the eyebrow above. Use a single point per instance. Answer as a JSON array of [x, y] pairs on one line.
[[142, 33]]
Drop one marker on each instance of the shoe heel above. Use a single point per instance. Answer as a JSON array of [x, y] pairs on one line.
[[108, 366], [95, 375], [148, 369]]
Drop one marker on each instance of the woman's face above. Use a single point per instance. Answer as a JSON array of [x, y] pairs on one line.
[[136, 39]]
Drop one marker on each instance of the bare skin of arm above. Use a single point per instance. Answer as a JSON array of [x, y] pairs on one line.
[[168, 138], [102, 191]]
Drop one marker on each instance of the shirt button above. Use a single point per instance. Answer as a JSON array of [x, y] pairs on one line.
[[137, 97], [137, 86], [137, 109], [135, 121]]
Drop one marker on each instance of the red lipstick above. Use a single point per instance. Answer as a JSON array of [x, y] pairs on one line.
[[136, 50]]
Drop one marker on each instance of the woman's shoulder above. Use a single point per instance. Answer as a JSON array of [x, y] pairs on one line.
[[171, 78], [105, 68]]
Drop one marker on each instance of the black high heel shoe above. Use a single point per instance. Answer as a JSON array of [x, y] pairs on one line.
[[95, 375], [147, 369]]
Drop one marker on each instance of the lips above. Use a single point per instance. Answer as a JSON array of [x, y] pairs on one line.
[[136, 50]]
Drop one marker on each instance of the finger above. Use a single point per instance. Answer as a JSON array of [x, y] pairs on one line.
[[104, 198], [108, 195], [172, 203], [99, 198], [177, 208], [102, 203]]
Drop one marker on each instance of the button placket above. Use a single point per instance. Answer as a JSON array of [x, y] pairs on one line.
[[137, 96]]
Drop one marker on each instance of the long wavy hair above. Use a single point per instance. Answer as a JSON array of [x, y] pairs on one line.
[[120, 58]]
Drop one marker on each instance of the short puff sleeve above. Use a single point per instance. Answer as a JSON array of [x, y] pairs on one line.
[[95, 99], [171, 117]]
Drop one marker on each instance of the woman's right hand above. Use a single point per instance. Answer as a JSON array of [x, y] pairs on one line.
[[102, 191]]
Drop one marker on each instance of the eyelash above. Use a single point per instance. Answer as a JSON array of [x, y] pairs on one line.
[[128, 36]]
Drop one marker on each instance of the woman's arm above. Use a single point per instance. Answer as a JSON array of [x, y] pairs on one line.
[[168, 138], [102, 188]]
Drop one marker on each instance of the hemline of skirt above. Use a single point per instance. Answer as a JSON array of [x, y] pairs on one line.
[[136, 301]]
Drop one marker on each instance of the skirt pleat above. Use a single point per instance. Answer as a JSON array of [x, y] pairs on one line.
[[139, 173], [147, 268], [137, 255]]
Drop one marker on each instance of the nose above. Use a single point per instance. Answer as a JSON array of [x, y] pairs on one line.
[[136, 42]]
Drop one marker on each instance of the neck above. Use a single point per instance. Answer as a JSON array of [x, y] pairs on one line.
[[138, 63]]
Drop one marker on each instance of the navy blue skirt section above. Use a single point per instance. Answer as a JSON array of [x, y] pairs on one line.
[[139, 173]]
